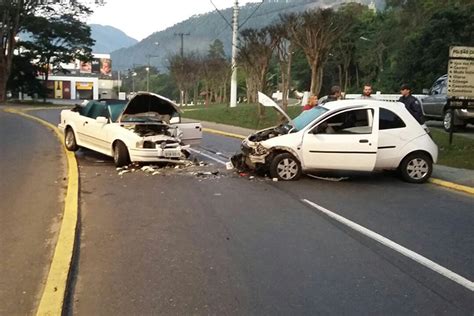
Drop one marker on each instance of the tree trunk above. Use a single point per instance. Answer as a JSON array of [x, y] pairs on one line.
[[196, 93], [314, 80], [4, 74]]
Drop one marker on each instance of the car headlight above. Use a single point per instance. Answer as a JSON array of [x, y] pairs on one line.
[[145, 144], [260, 150]]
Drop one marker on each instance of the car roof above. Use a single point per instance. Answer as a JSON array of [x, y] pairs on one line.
[[354, 103]]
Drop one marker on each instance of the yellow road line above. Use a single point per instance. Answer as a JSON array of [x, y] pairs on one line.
[[451, 185], [52, 300], [215, 131]]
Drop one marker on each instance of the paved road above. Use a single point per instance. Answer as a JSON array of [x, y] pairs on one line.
[[31, 191], [181, 243]]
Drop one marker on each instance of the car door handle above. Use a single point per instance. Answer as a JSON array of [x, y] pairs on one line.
[[363, 141], [85, 123]]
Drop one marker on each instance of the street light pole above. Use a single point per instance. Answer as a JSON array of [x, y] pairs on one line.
[[233, 82], [148, 68]]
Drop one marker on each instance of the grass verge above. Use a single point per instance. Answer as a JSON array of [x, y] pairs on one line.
[[459, 155]]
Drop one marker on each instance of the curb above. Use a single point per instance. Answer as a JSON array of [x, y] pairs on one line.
[[452, 185], [443, 183], [52, 299]]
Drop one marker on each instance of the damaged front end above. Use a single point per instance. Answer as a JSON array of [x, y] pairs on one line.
[[158, 142], [255, 154]]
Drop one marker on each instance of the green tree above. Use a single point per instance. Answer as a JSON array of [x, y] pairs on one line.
[[56, 41], [14, 16], [426, 55]]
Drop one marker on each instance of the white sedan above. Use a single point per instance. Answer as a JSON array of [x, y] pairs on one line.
[[147, 128], [353, 135]]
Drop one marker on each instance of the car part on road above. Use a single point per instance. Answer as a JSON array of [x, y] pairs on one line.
[[70, 140], [285, 167], [416, 167]]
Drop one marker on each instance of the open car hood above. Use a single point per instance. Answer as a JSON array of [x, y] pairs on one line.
[[268, 102], [143, 102]]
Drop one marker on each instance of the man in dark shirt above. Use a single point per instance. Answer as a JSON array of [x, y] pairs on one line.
[[335, 95], [411, 103]]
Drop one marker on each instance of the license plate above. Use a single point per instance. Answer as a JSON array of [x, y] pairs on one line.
[[172, 153]]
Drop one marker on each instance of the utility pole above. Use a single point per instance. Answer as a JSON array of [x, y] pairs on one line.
[[233, 82], [182, 56], [181, 35]]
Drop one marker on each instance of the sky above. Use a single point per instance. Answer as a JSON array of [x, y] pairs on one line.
[[141, 18]]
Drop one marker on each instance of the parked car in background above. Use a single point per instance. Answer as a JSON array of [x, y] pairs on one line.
[[147, 128], [435, 106], [353, 135]]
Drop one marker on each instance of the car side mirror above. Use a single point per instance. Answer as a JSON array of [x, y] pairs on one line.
[[102, 120], [426, 91]]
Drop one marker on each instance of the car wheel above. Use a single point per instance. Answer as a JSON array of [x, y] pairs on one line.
[[70, 140], [121, 157], [447, 122], [416, 168], [285, 167]]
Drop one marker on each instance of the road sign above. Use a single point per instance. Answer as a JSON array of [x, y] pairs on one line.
[[461, 72]]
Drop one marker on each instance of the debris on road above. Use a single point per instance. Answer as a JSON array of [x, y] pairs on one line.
[[328, 178]]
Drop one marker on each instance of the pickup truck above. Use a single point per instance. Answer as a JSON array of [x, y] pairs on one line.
[[147, 128], [435, 106]]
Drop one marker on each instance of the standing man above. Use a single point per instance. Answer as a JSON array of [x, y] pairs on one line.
[[335, 95], [367, 92], [411, 103]]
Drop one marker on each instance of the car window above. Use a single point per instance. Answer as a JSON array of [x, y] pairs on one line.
[[348, 122], [306, 117], [85, 110], [389, 120], [115, 110], [437, 86], [97, 109]]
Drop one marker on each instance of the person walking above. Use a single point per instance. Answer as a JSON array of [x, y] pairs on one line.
[[411, 103]]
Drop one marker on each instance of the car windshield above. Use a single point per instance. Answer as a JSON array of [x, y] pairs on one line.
[[306, 117], [146, 117]]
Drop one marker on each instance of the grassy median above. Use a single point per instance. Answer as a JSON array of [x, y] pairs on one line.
[[459, 155]]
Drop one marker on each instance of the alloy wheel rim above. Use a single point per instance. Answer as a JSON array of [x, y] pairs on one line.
[[417, 168], [447, 120], [116, 154], [69, 139], [287, 169]]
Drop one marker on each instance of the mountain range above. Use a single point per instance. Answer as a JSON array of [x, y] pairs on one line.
[[199, 31], [108, 38]]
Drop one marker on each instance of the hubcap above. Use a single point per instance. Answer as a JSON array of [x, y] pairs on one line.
[[116, 154], [287, 169], [417, 168], [69, 139], [447, 120]]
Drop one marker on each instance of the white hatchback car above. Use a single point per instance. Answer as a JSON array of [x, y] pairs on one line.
[[353, 135]]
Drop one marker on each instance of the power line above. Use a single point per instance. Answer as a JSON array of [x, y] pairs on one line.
[[220, 13], [259, 5]]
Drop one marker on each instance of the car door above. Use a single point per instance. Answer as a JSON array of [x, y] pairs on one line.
[[433, 104], [346, 140], [94, 131]]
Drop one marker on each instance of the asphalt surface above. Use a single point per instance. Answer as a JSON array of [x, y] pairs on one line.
[[188, 242], [31, 191]]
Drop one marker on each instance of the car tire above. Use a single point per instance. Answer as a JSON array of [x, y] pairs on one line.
[[285, 167], [416, 167], [447, 122], [70, 140], [121, 157]]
